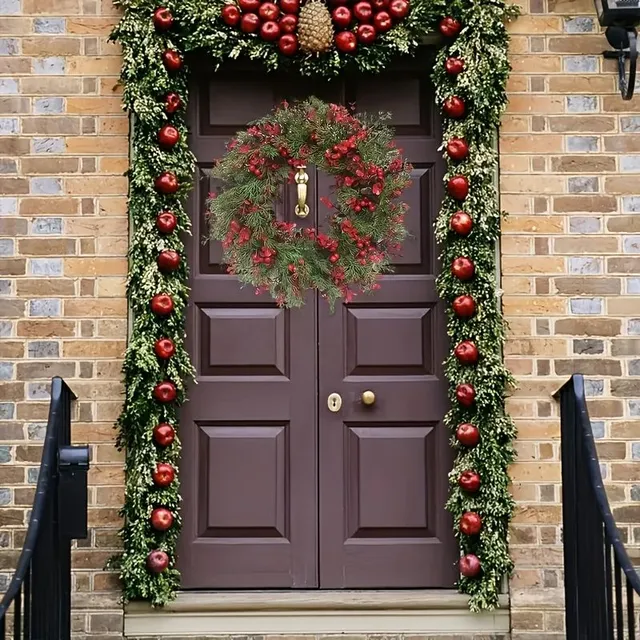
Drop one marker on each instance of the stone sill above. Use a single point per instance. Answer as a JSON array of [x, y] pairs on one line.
[[314, 612]]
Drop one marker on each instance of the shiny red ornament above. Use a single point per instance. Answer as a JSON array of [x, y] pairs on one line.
[[268, 11], [464, 306], [166, 221], [164, 434], [249, 6], [465, 394], [157, 561], [346, 41], [466, 352], [458, 187], [162, 304], [288, 43], [470, 566], [166, 183], [164, 348], [230, 15], [250, 22], [164, 474], [290, 6], [449, 27], [172, 60], [463, 269], [468, 434], [162, 19], [457, 149], [363, 11], [461, 223], [341, 16], [168, 260], [470, 523], [399, 9], [454, 107], [453, 66], [168, 136], [165, 392], [469, 481], [288, 24], [365, 33], [270, 31], [382, 21], [380, 5], [172, 102], [161, 519]]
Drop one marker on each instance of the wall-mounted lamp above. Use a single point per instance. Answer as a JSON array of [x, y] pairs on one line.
[[621, 17]]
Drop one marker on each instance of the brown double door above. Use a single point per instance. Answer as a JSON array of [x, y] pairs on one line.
[[279, 491]]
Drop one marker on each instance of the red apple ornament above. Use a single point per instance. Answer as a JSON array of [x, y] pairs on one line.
[[461, 223], [380, 5], [341, 16], [458, 187], [172, 102], [168, 136], [164, 474], [249, 6], [165, 392], [250, 22], [363, 11], [288, 24], [346, 41], [469, 481], [172, 60], [470, 566], [270, 31], [454, 107], [166, 222], [453, 66], [164, 434], [470, 523], [457, 149], [168, 260], [382, 21], [365, 33], [166, 183], [268, 11], [290, 6], [164, 348], [288, 43], [468, 434], [157, 561], [399, 9], [449, 27], [162, 304], [465, 394], [161, 519], [466, 352], [230, 15], [464, 306], [162, 19], [463, 269]]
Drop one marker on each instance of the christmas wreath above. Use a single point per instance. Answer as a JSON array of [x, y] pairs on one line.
[[365, 221]]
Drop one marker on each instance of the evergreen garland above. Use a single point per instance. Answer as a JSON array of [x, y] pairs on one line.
[[155, 91]]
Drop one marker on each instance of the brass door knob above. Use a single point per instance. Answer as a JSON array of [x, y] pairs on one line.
[[368, 398]]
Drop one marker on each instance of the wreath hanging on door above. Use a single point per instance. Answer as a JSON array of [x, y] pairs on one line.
[[365, 222]]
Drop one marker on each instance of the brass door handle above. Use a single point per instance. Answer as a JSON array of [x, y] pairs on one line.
[[368, 398], [302, 178]]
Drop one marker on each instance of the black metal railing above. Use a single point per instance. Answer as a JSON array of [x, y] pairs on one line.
[[601, 583], [37, 603]]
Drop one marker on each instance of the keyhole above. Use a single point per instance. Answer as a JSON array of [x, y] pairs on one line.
[[334, 402]]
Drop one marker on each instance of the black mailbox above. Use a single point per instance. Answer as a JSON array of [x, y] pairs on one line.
[[73, 465]]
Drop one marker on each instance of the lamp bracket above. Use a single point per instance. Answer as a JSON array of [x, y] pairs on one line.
[[626, 83]]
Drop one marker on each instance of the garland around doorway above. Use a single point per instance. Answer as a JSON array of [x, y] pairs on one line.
[[470, 75]]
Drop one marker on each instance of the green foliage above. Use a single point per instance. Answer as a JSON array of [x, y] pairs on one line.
[[483, 44]]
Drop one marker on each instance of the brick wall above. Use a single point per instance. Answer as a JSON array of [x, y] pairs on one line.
[[63, 229], [570, 158], [570, 155]]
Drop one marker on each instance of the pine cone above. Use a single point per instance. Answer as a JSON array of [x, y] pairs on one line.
[[315, 28]]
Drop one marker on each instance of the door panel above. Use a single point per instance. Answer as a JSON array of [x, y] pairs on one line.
[[278, 491]]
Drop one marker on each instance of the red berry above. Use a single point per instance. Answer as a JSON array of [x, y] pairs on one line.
[[289, 24], [230, 14], [288, 43], [270, 31], [366, 33], [346, 41], [341, 16], [382, 21], [268, 11], [250, 22]]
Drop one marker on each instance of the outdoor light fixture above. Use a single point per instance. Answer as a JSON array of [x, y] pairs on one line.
[[621, 17]]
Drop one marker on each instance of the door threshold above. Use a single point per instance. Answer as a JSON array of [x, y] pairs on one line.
[[314, 612]]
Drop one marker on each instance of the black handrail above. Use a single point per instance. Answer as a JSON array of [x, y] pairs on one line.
[[40, 591], [595, 558]]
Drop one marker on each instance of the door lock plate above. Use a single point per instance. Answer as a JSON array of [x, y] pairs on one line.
[[334, 402]]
